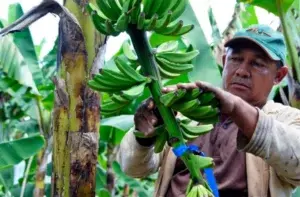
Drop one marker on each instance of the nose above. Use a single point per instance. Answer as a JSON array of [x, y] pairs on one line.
[[242, 71]]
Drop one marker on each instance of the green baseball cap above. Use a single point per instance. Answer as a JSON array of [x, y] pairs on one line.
[[271, 41]]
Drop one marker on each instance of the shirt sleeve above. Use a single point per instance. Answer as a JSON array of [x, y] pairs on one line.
[[276, 139], [136, 160]]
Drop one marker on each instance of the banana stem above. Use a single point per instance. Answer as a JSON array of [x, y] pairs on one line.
[[146, 59], [288, 38]]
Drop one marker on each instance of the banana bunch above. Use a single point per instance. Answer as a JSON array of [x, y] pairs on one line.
[[162, 137], [160, 15], [172, 64], [194, 104], [124, 85], [115, 16], [191, 132], [172, 61], [199, 191]]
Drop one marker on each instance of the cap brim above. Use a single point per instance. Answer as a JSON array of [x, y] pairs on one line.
[[240, 39]]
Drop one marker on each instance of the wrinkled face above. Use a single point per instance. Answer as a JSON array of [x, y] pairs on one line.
[[250, 74]]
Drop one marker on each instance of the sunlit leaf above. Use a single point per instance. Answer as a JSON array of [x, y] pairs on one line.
[[205, 66], [13, 152], [104, 193], [119, 125], [269, 5], [14, 65], [24, 42], [248, 16]]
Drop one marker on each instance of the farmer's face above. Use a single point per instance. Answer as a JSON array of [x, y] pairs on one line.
[[250, 74]]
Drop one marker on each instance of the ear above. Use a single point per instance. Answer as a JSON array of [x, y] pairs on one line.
[[280, 74]]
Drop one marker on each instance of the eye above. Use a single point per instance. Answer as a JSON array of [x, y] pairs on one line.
[[236, 58], [258, 64]]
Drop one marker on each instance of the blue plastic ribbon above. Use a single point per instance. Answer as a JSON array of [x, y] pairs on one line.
[[209, 174]]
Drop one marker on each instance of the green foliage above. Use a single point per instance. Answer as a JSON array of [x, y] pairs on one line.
[[13, 152], [270, 5]]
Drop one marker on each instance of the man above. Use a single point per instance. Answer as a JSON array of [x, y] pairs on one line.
[[256, 144]]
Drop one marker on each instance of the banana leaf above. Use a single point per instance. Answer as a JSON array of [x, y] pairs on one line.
[[13, 64], [206, 68], [216, 35], [132, 183], [114, 128], [18, 93], [13, 152], [23, 40], [248, 16], [269, 5]]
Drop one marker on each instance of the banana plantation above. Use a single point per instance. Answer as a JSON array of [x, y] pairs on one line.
[[63, 115]]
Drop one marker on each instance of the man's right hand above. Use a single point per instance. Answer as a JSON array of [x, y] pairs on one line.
[[147, 118]]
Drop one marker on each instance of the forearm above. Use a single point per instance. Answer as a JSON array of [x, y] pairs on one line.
[[277, 143], [245, 117], [136, 160]]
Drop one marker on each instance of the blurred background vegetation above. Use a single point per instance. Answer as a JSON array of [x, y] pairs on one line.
[[28, 62]]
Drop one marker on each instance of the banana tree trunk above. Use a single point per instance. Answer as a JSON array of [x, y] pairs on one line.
[[76, 113]]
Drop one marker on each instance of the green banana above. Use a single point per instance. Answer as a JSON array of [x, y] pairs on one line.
[[171, 29], [194, 192], [202, 112], [163, 22], [147, 6], [122, 22], [106, 10], [121, 2], [134, 92], [141, 21], [178, 9], [129, 71], [126, 6], [109, 83], [170, 98], [191, 94], [101, 88], [117, 77], [110, 28], [114, 7], [136, 10], [196, 130], [174, 67], [99, 25], [165, 7], [169, 46], [178, 57], [112, 107], [160, 141], [185, 107], [206, 97], [187, 136], [150, 24], [119, 99], [167, 74], [184, 30], [128, 52], [154, 7], [204, 162]]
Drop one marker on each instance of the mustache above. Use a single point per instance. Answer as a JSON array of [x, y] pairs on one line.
[[242, 81]]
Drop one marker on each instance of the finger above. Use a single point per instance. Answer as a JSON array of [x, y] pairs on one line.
[[169, 89], [187, 86], [150, 104], [143, 125], [207, 87]]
